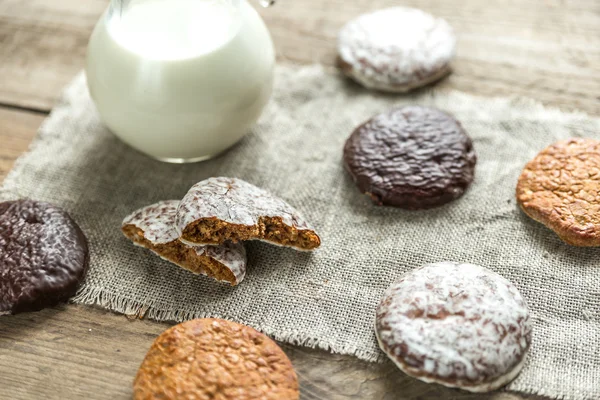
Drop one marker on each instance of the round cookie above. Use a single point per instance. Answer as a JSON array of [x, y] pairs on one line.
[[153, 227], [396, 49], [411, 157], [459, 325], [215, 359], [560, 188], [43, 256]]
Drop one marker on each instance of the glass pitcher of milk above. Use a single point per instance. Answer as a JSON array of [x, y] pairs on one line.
[[180, 80]]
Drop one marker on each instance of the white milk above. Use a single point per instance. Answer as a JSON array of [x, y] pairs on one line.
[[181, 80]]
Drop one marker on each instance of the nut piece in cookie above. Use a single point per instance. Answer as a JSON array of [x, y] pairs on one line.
[[229, 209], [411, 157], [215, 359], [153, 227], [560, 188], [396, 49], [459, 325], [43, 256]]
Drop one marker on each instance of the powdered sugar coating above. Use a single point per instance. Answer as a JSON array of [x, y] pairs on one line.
[[396, 49], [236, 202], [231, 255], [460, 325], [157, 221]]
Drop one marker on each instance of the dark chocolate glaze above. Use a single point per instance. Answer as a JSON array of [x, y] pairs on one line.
[[43, 256], [411, 157]]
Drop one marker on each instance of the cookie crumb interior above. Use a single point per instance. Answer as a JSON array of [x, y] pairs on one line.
[[182, 255], [271, 229]]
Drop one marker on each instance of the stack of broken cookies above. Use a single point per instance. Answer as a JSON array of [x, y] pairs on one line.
[[205, 231]]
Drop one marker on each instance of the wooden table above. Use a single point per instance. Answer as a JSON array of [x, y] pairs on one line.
[[545, 49]]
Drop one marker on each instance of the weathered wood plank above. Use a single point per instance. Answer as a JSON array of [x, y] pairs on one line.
[[42, 45], [17, 128], [75, 352], [546, 50]]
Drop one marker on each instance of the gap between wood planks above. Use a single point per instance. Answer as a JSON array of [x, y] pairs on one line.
[[14, 107]]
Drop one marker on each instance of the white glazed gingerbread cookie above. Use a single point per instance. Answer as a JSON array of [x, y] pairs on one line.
[[229, 209], [459, 325], [153, 227], [396, 49]]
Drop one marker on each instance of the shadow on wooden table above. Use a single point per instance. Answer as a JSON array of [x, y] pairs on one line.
[[335, 377]]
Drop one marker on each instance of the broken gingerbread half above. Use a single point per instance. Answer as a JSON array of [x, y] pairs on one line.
[[153, 227], [217, 210]]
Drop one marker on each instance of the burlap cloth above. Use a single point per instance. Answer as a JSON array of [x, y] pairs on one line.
[[327, 299]]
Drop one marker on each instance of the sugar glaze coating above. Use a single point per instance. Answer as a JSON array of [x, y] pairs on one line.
[[245, 211], [460, 325], [396, 49], [156, 220], [237, 202]]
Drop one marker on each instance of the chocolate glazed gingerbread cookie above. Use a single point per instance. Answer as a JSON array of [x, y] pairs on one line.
[[43, 256], [411, 157]]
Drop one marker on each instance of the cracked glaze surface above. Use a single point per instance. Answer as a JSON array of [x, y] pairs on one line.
[[215, 359], [396, 49], [560, 188], [411, 157], [236, 202], [157, 221], [460, 325], [43, 256]]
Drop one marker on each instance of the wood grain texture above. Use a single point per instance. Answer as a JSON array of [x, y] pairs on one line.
[[17, 128], [78, 352], [42, 46], [545, 49]]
